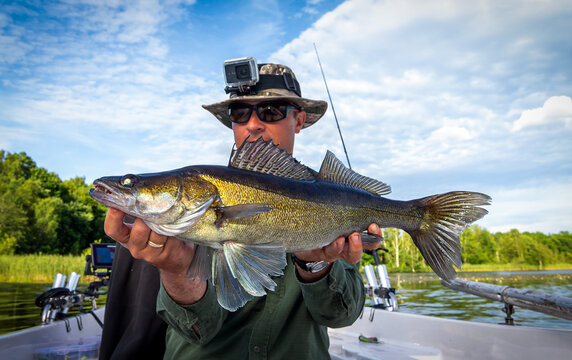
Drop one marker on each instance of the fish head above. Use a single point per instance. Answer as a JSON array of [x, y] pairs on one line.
[[147, 196]]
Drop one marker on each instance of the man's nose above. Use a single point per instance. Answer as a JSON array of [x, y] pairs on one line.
[[254, 123]]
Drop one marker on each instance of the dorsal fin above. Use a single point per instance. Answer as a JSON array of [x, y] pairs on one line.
[[265, 157], [334, 170]]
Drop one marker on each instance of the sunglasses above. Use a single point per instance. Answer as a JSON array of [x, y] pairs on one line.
[[268, 111]]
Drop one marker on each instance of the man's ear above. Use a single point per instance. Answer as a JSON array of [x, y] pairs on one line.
[[300, 120]]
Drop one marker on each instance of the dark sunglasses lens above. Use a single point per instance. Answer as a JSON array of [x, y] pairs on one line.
[[239, 113], [272, 111], [266, 111]]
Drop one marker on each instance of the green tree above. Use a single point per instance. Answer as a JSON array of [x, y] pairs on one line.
[[509, 247], [40, 213], [478, 245]]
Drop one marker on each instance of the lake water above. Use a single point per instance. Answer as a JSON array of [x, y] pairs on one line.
[[424, 294], [417, 293], [18, 309]]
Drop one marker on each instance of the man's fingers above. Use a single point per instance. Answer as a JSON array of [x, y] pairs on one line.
[[114, 227], [334, 250], [374, 229], [156, 241], [354, 248], [140, 234]]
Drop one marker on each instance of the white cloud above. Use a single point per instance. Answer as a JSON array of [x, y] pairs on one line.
[[429, 89], [531, 207], [426, 92], [556, 110], [451, 133]]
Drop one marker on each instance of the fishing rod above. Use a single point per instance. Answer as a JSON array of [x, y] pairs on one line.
[[341, 137], [332, 104]]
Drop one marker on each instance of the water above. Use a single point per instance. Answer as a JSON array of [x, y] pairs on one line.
[[18, 309], [416, 293], [423, 294]]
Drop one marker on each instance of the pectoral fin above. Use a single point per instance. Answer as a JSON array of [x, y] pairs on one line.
[[242, 271], [243, 211]]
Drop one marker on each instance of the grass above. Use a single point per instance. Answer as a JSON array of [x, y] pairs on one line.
[[513, 267], [43, 268], [40, 268]]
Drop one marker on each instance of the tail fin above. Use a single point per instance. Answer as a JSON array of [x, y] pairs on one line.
[[445, 218]]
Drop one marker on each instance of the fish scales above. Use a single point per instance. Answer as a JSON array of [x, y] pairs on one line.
[[244, 221], [304, 215]]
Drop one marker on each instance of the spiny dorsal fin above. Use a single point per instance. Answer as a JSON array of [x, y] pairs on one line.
[[265, 157], [334, 170]]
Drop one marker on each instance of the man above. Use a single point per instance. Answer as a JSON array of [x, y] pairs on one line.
[[319, 288]]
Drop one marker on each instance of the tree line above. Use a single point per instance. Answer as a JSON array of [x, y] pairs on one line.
[[40, 213], [482, 247]]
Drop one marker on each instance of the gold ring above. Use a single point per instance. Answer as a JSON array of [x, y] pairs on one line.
[[156, 246]]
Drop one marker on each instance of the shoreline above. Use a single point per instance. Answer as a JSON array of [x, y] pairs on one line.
[[43, 268]]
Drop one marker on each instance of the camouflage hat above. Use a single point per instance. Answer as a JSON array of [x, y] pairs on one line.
[[273, 85]]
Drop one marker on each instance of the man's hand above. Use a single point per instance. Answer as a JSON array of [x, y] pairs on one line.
[[172, 258], [350, 251]]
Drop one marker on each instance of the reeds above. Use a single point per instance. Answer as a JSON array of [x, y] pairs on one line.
[[39, 268]]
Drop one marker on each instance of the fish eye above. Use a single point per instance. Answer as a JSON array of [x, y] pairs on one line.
[[127, 181]]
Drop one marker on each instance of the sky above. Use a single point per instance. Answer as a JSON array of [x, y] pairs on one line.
[[431, 96]]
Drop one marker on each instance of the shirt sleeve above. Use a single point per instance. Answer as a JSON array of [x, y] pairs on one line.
[[199, 322], [337, 299]]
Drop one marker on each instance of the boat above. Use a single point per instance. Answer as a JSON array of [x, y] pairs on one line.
[[62, 335], [77, 337], [381, 332]]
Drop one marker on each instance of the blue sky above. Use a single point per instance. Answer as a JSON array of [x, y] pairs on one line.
[[432, 96]]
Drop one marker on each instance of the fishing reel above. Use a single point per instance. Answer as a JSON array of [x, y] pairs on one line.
[[57, 301], [381, 292]]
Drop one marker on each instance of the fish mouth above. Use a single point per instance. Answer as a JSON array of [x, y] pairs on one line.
[[111, 196]]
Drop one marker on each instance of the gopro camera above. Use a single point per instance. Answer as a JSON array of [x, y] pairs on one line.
[[240, 73]]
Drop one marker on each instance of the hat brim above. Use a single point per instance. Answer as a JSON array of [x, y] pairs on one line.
[[314, 109]]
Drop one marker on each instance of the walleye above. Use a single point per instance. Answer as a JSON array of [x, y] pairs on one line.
[[246, 216]]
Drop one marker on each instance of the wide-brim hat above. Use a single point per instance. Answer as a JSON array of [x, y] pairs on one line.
[[277, 82]]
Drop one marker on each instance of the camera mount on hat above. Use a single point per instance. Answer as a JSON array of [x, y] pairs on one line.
[[242, 77]]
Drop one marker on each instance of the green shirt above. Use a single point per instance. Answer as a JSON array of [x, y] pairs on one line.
[[291, 321]]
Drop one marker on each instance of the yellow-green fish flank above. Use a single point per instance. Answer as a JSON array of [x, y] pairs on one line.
[[244, 217]]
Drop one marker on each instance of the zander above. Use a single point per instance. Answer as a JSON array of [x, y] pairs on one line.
[[246, 216]]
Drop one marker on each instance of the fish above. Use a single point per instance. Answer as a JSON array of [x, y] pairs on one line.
[[245, 217]]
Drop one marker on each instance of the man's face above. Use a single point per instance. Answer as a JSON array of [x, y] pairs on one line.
[[281, 132]]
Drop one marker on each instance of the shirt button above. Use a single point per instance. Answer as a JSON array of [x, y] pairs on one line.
[[256, 348]]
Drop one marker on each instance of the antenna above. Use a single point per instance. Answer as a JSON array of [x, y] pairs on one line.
[[332, 104]]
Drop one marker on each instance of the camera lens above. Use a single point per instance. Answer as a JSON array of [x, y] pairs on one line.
[[243, 71]]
